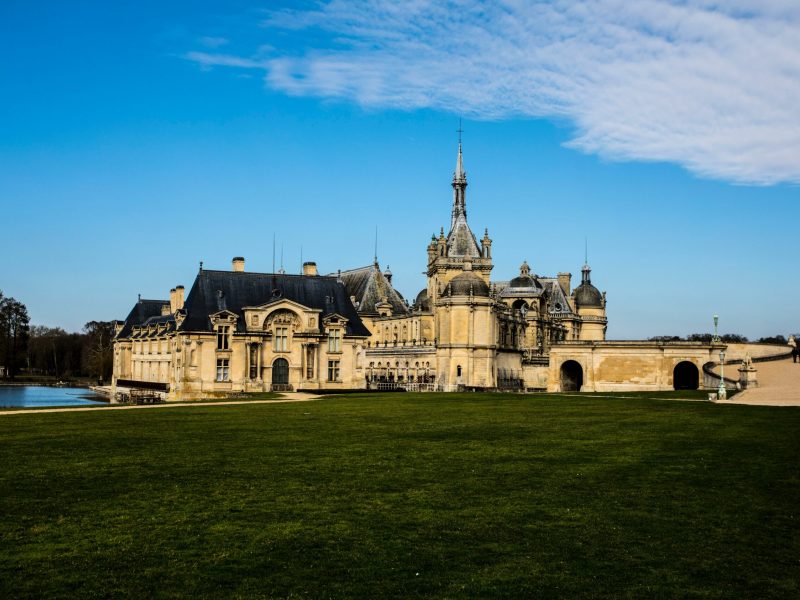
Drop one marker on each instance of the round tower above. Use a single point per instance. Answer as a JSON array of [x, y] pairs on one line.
[[591, 307]]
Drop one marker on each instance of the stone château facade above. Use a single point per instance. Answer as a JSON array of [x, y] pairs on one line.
[[238, 331]]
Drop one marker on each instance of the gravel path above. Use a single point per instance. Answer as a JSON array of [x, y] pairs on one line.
[[778, 385]]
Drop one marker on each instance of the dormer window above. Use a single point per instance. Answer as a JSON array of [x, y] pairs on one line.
[[335, 340], [223, 337]]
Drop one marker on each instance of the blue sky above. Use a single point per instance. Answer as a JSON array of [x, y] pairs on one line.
[[137, 139]]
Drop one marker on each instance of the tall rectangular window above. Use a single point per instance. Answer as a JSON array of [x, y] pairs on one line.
[[333, 370], [223, 334], [335, 340], [223, 369], [281, 340]]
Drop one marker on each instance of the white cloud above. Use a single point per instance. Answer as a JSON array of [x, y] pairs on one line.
[[711, 85]]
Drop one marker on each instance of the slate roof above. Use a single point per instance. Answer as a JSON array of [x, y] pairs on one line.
[[557, 297], [214, 291], [141, 312], [167, 323], [466, 284], [588, 295], [551, 289], [369, 287], [461, 242]]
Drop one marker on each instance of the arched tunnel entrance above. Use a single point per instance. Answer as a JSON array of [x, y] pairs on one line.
[[571, 376], [685, 376]]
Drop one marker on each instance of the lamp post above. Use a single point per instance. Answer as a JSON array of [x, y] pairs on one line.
[[715, 339], [722, 393]]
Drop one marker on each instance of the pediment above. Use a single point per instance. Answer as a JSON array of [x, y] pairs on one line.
[[281, 303], [334, 318], [223, 315]]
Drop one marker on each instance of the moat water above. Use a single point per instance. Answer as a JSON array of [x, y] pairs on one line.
[[35, 396]]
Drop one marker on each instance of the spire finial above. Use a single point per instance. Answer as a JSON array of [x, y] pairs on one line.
[[459, 185], [375, 256], [586, 250], [459, 174]]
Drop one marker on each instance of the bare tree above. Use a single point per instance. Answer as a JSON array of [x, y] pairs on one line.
[[99, 349], [14, 332]]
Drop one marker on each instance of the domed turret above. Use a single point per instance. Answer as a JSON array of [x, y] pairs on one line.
[[423, 302], [586, 295], [525, 280], [468, 283]]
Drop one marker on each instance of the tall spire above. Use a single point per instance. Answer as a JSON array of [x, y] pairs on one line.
[[459, 185], [461, 242], [586, 270]]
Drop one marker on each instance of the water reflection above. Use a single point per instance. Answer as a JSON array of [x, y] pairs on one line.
[[33, 396]]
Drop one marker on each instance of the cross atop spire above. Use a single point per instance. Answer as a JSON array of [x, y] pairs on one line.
[[459, 175]]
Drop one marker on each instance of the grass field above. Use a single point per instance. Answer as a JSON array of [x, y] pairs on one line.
[[404, 495]]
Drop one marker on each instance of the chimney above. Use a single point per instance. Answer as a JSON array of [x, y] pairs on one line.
[[172, 307], [310, 268], [564, 280], [178, 297], [238, 264]]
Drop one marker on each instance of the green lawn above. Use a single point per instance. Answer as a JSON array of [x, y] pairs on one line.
[[404, 495]]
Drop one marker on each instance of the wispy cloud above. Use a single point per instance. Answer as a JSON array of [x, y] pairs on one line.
[[213, 42], [204, 59], [709, 84]]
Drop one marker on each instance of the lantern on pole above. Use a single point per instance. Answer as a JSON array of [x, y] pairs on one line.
[[722, 393]]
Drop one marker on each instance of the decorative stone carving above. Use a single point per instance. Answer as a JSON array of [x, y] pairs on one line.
[[282, 317]]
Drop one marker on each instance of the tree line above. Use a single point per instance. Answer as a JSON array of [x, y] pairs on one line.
[[38, 351], [728, 338]]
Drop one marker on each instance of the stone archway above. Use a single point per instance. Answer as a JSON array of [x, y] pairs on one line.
[[280, 372], [571, 376], [686, 376]]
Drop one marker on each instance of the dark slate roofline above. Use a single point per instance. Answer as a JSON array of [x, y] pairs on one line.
[[142, 310], [241, 289], [343, 271], [266, 273]]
